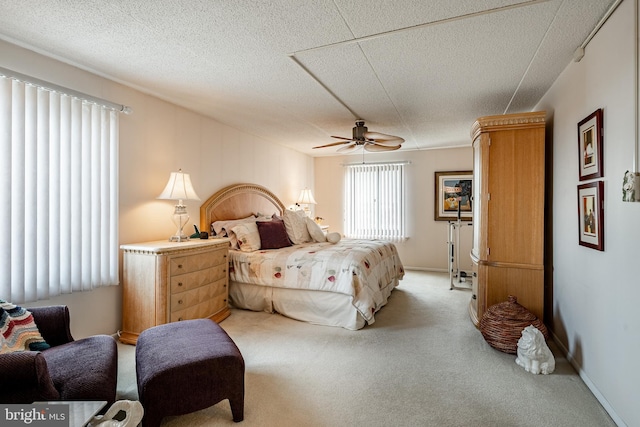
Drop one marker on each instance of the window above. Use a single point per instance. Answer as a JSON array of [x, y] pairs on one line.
[[59, 192], [375, 202]]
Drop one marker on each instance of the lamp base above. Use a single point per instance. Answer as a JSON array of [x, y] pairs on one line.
[[180, 219]]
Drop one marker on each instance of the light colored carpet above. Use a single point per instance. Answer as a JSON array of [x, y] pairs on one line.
[[422, 363]]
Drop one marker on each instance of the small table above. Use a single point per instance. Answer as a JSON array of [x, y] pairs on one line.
[[80, 412]]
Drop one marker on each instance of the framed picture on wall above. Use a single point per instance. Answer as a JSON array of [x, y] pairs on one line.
[[453, 196], [591, 215], [590, 146]]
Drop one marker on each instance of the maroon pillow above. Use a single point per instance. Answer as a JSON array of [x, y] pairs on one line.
[[273, 235]]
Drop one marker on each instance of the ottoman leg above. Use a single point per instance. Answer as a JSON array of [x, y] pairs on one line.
[[237, 408]]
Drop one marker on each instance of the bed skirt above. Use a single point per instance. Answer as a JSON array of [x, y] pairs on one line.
[[316, 307]]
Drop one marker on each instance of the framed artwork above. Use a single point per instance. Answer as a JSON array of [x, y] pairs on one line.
[[591, 215], [590, 146], [453, 196]]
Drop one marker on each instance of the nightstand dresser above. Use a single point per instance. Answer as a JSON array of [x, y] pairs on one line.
[[167, 282]]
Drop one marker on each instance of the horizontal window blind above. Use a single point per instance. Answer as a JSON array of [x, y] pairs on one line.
[[375, 202], [59, 185]]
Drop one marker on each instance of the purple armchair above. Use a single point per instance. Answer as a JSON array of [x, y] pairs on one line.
[[86, 369]]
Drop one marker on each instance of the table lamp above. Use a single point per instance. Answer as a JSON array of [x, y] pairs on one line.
[[179, 188], [306, 199]]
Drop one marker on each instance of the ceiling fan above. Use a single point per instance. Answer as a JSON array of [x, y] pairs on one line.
[[371, 141]]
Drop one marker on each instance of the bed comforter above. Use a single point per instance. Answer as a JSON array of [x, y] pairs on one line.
[[354, 267]]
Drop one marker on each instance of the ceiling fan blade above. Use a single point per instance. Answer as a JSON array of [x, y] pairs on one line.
[[347, 148], [379, 147], [342, 137], [389, 143], [383, 138], [332, 144]]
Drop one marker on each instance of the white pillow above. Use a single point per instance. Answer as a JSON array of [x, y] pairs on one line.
[[333, 237], [315, 231], [296, 227], [248, 236]]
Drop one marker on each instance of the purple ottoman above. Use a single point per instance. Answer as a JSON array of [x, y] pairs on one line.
[[187, 366]]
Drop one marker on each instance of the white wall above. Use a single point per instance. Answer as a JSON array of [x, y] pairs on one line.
[[426, 247], [596, 294], [155, 140]]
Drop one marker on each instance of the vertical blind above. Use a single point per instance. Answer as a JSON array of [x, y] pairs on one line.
[[58, 192], [375, 202]]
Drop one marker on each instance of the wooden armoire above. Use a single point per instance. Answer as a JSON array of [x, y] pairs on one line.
[[508, 212]]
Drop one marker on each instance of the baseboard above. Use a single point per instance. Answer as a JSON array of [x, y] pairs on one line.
[[587, 381], [435, 270]]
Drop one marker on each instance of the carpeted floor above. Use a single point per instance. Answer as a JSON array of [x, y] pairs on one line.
[[422, 363]]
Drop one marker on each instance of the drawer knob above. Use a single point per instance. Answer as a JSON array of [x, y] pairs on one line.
[[224, 270], [180, 301], [179, 283], [179, 319], [179, 265]]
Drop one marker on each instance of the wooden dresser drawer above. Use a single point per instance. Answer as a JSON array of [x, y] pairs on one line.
[[186, 264], [197, 303], [188, 281], [190, 298]]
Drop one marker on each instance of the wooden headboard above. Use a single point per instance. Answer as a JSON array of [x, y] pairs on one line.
[[238, 201]]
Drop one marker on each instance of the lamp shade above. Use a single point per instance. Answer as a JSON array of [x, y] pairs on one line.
[[179, 188], [306, 197]]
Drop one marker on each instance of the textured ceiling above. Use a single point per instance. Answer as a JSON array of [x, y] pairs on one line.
[[295, 72]]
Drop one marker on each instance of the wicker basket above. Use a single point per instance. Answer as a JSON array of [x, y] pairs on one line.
[[502, 325]]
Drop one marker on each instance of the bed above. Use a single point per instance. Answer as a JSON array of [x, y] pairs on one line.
[[335, 284]]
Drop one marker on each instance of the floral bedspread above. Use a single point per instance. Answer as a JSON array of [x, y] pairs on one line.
[[360, 268]]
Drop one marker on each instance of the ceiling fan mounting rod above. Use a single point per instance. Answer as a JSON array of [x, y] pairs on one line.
[[359, 130]]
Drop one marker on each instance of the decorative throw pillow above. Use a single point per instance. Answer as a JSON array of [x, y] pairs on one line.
[[273, 234], [333, 237], [225, 229], [315, 231], [18, 330], [296, 226], [248, 236]]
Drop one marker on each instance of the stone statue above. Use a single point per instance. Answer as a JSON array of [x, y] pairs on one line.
[[533, 353], [628, 187]]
